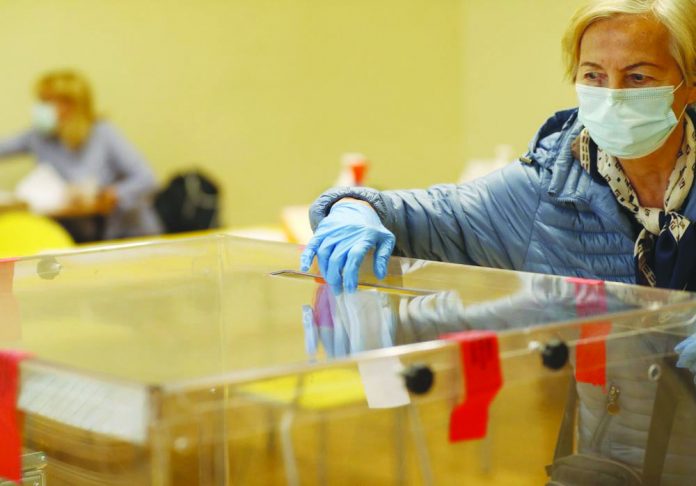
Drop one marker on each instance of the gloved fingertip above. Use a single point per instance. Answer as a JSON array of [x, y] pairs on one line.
[[323, 271], [683, 345], [686, 360], [336, 290], [304, 267], [381, 269], [348, 284]]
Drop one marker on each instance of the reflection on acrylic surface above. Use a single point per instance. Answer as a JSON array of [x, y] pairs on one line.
[[370, 319], [622, 402]]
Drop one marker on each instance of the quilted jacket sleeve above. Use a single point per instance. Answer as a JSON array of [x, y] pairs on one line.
[[485, 222]]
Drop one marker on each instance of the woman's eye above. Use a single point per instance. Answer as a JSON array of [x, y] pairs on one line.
[[593, 78], [637, 78]]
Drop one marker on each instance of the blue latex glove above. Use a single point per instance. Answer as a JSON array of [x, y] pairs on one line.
[[687, 354], [341, 242]]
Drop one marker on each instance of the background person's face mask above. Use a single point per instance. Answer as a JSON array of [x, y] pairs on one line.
[[45, 118], [628, 123]]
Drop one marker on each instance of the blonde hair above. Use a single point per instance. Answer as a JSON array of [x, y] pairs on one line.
[[678, 16], [70, 86]]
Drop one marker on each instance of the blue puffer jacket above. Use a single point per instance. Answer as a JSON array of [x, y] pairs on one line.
[[543, 213]]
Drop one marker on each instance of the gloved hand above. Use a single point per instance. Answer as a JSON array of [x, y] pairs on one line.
[[341, 242], [687, 354]]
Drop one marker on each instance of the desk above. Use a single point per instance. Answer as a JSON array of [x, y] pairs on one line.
[[8, 202]]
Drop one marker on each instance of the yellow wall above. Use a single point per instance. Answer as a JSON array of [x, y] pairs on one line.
[[266, 94], [512, 70]]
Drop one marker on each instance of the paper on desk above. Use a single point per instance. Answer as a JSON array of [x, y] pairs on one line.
[[44, 190], [384, 386]]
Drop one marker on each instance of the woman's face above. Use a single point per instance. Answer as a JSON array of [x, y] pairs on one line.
[[631, 51], [64, 107]]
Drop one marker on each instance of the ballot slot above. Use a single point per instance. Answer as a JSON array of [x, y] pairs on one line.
[[363, 286]]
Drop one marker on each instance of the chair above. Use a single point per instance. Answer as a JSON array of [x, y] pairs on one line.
[[23, 233]]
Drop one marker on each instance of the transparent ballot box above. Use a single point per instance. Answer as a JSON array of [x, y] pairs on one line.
[[213, 361]]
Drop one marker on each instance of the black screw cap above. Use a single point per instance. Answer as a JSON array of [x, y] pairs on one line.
[[555, 354], [419, 378]]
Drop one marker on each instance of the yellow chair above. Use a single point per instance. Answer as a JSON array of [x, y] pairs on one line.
[[23, 233]]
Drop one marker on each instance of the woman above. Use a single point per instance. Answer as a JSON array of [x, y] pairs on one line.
[[604, 192], [84, 150], [601, 192]]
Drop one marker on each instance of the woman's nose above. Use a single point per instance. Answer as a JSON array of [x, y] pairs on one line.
[[616, 82]]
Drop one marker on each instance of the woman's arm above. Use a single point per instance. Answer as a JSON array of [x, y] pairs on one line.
[[136, 181], [17, 145], [484, 222]]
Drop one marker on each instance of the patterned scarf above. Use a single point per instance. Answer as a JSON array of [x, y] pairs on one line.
[[665, 250]]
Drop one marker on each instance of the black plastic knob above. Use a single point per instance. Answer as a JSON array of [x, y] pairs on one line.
[[419, 378], [555, 354]]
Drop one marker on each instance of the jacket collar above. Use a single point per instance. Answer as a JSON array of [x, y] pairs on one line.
[[569, 183]]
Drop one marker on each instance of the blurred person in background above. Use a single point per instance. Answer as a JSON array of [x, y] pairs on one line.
[[85, 150]]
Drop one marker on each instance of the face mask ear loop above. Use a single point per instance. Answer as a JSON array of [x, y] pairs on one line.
[[685, 106], [682, 112], [676, 88]]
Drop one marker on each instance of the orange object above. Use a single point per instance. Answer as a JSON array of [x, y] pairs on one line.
[[359, 170]]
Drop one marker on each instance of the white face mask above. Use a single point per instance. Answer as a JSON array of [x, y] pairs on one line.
[[45, 118], [628, 123]]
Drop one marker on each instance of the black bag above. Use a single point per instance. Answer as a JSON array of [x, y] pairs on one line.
[[189, 202]]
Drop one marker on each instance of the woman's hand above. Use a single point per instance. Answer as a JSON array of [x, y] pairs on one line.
[[687, 354], [83, 204], [106, 201], [341, 242]]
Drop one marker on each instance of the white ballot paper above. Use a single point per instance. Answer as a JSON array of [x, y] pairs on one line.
[[44, 190]]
